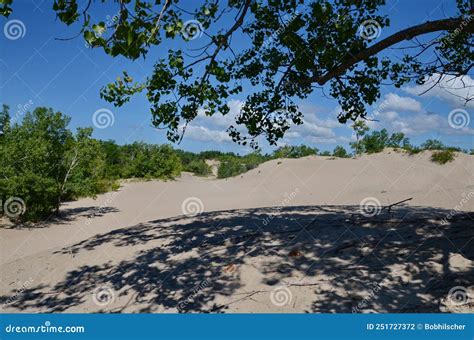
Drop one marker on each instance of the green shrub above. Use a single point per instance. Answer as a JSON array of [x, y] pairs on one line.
[[151, 161], [443, 157], [294, 151], [412, 150], [432, 144], [340, 152], [115, 186], [230, 168], [44, 164], [397, 140], [198, 167], [376, 141]]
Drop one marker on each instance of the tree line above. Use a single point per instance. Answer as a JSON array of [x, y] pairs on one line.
[[45, 164]]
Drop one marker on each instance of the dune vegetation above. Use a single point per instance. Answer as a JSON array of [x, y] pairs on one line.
[[60, 165]]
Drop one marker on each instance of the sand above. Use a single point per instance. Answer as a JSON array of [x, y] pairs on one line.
[[290, 236]]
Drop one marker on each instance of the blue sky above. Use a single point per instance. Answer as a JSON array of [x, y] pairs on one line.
[[37, 70]]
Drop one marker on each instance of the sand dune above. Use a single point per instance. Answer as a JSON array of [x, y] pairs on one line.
[[288, 236]]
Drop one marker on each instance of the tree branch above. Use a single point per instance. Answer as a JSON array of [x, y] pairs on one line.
[[406, 34], [223, 40]]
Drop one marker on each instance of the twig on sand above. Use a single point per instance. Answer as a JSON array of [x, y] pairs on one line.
[[249, 295], [389, 207], [307, 284]]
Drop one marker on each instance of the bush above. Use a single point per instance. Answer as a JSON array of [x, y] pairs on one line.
[[198, 167], [43, 163], [151, 161], [294, 151], [397, 140], [411, 149], [340, 152], [230, 168], [432, 144], [376, 141], [114, 186], [443, 157]]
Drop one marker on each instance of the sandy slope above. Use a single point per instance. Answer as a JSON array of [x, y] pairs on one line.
[[288, 236]]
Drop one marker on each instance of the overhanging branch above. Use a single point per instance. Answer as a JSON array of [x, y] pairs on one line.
[[406, 34]]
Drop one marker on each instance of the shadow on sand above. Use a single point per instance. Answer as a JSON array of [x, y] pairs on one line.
[[65, 216], [184, 262]]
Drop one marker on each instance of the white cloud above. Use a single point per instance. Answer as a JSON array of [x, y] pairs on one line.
[[417, 124], [394, 102], [404, 114], [219, 120], [391, 115], [317, 130], [214, 128], [309, 129], [205, 134], [334, 140], [452, 89], [313, 130]]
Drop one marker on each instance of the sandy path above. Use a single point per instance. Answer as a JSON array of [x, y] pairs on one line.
[[136, 245]]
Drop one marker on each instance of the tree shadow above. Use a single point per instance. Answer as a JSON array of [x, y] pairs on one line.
[[345, 262], [65, 216], [70, 214]]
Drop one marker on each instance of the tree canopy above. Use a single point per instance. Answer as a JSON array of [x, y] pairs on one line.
[[276, 51]]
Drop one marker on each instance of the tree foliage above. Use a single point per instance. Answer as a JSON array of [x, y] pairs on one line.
[[289, 151], [286, 49], [340, 152], [44, 163]]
